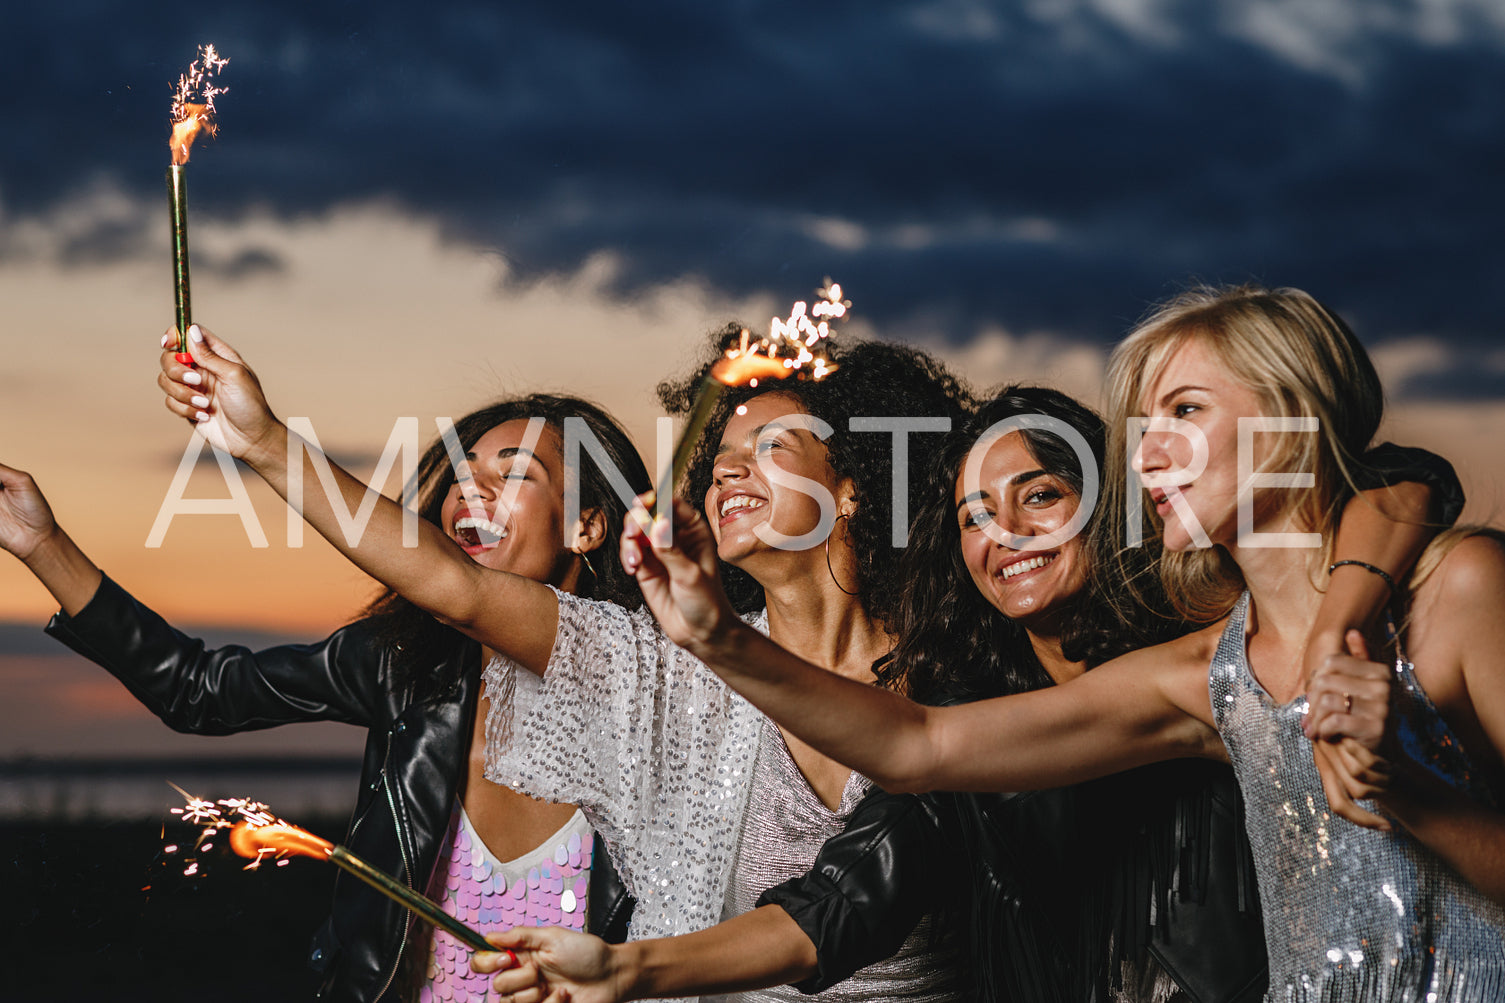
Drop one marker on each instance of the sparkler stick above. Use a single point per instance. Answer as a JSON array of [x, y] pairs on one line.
[[257, 841], [261, 836], [189, 118], [784, 353]]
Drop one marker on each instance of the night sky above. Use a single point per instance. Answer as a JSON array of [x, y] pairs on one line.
[[410, 210]]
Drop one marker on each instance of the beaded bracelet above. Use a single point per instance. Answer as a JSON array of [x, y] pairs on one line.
[[1367, 567]]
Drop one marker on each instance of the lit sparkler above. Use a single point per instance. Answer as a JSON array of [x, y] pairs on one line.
[[281, 839], [192, 114], [785, 352], [255, 833]]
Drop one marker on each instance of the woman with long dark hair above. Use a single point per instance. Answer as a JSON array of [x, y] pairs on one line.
[[412, 682]]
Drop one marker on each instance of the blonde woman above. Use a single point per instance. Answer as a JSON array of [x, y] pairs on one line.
[[1396, 899]]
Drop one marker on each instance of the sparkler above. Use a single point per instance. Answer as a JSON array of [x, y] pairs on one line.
[[192, 113], [256, 833], [785, 352], [281, 839]]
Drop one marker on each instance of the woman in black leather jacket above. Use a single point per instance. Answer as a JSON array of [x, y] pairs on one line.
[[1134, 887], [413, 683]]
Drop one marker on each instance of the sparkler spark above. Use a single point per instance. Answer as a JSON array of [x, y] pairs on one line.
[[785, 352], [193, 102], [256, 833], [787, 349]]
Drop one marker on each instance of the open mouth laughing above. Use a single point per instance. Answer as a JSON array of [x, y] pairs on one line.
[[477, 533]]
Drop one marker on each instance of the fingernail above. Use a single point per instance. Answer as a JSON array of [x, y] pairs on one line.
[[661, 533], [198, 401], [194, 334], [166, 340], [201, 416], [193, 378]]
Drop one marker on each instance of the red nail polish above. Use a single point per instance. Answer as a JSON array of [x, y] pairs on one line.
[[184, 358]]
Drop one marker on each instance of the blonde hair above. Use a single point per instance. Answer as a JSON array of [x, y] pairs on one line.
[[1300, 360]]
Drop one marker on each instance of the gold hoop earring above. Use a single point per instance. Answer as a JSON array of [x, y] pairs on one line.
[[588, 566], [829, 570]]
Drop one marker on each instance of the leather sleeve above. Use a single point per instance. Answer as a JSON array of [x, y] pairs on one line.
[[1388, 464], [218, 691], [868, 887]]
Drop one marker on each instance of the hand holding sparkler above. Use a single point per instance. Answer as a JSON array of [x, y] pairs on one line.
[[222, 398], [676, 569], [564, 964]]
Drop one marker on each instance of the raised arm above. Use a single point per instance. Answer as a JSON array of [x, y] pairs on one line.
[[29, 531], [752, 951], [223, 400], [1135, 710], [1383, 531], [1456, 634]]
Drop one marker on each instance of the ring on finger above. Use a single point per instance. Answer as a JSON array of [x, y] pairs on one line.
[[1348, 703]]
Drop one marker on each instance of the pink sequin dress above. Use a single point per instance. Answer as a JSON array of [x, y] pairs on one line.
[[545, 887]]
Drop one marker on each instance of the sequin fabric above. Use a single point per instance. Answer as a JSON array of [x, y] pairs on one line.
[[1350, 913], [785, 826], [548, 886], [653, 747]]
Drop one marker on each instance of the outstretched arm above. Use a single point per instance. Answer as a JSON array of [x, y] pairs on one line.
[[29, 531], [223, 400], [752, 951], [1136, 710]]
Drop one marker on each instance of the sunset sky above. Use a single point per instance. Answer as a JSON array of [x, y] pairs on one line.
[[409, 212]]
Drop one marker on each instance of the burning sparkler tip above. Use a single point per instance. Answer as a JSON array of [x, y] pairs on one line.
[[193, 102]]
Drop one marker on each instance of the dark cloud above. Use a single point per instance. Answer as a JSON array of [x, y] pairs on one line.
[[954, 164]]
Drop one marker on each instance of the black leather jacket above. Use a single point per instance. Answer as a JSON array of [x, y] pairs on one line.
[[415, 756], [1044, 884]]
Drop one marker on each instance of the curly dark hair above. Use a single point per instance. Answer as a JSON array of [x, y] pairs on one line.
[[873, 378], [421, 643], [953, 644]]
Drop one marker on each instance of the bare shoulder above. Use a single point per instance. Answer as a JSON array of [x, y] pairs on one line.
[[1178, 671], [1473, 567], [1465, 588]]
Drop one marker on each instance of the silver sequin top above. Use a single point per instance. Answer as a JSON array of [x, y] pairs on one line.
[[1350, 913], [785, 826], [653, 747]]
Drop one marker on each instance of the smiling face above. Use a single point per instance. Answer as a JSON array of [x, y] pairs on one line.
[[1024, 500], [507, 506], [742, 497], [1196, 387]]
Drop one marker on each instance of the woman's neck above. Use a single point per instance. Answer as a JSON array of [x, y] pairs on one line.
[[815, 619], [1045, 638], [1285, 601]]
